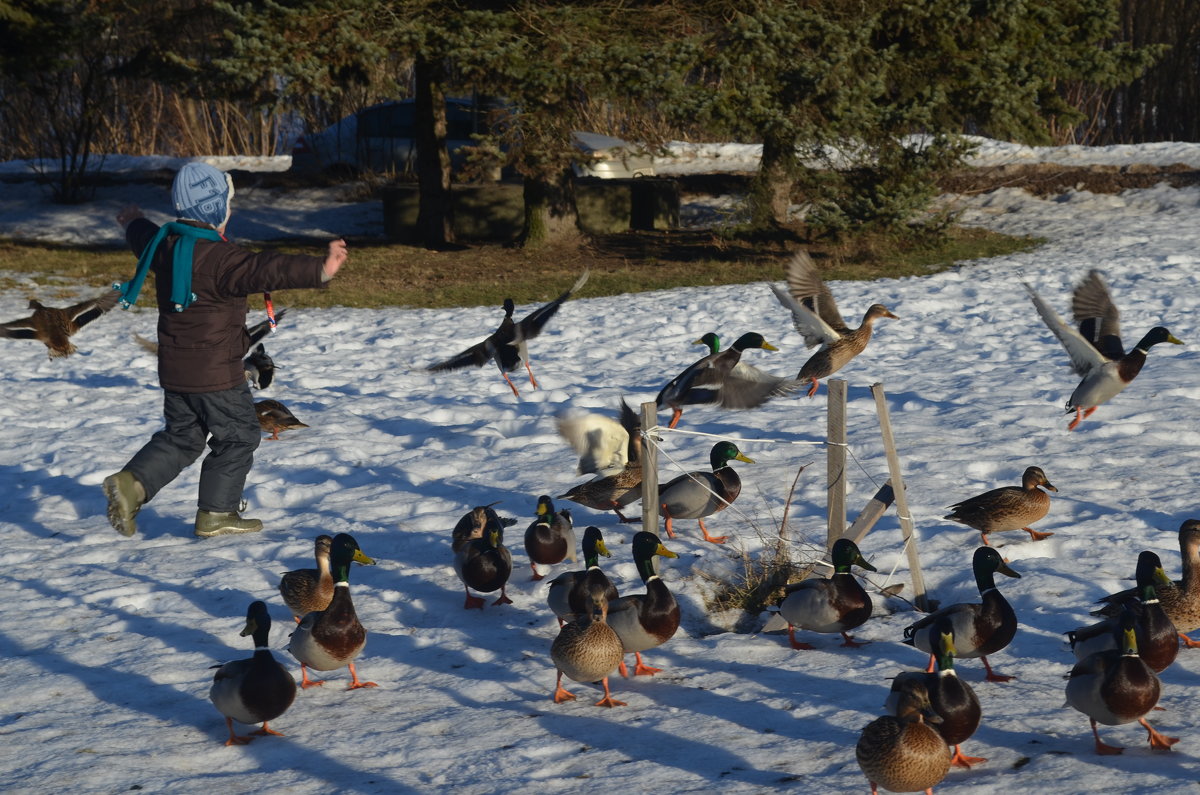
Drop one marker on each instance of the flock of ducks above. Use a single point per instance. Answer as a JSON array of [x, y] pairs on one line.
[[597, 626], [929, 714]]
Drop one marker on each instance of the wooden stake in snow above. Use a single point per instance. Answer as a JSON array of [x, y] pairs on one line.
[[649, 469], [835, 460], [871, 513], [906, 522]]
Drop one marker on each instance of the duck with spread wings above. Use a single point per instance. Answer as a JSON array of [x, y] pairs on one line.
[[815, 315], [1097, 354], [506, 346]]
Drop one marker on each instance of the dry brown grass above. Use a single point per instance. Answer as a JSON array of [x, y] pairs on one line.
[[382, 274]]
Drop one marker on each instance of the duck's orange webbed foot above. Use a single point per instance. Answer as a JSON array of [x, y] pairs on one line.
[[962, 760], [641, 669], [711, 538], [1158, 740]]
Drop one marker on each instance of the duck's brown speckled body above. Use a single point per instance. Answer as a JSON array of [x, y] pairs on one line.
[[1008, 507], [54, 326], [816, 317], [901, 752]]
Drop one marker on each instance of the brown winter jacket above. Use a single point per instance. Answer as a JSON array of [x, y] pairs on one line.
[[201, 348]]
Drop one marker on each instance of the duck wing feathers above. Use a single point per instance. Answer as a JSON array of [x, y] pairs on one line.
[[1084, 356]]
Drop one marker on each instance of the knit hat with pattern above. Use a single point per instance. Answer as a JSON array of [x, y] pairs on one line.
[[202, 193]]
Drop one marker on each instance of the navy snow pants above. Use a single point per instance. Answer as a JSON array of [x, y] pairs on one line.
[[227, 421]]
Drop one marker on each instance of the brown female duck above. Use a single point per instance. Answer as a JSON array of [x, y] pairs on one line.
[[587, 649], [54, 327], [901, 752], [613, 452], [815, 315], [1008, 507], [274, 417]]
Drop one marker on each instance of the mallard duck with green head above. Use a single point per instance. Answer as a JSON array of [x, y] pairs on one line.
[[254, 690], [613, 452], [816, 317], [308, 590], [981, 628], [1008, 507], [722, 378], [902, 752], [568, 592], [695, 495], [485, 564], [951, 698], [645, 620], [1096, 352], [1116, 686], [333, 638], [550, 537], [1157, 638], [836, 604], [587, 649], [1180, 599]]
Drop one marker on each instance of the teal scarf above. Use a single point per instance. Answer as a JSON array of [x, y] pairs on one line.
[[181, 267]]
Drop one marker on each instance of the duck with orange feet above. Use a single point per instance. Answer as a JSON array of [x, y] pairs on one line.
[[329, 639], [981, 628], [1008, 507], [696, 495], [1115, 687], [951, 698], [835, 604], [645, 620]]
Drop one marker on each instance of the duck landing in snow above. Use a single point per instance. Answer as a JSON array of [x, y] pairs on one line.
[[815, 315], [506, 345], [1096, 352]]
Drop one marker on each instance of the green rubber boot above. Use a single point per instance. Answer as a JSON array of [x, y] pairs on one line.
[[218, 523], [125, 497]]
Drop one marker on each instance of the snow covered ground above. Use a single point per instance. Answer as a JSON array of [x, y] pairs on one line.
[[109, 641]]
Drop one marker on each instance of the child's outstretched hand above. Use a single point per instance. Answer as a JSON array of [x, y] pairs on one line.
[[128, 214], [335, 258]]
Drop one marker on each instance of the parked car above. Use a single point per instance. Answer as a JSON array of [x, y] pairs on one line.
[[606, 157], [382, 137]]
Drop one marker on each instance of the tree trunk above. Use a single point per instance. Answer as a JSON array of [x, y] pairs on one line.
[[771, 193], [435, 213], [550, 212]]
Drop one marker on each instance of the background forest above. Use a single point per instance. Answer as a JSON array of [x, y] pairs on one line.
[[834, 91]]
